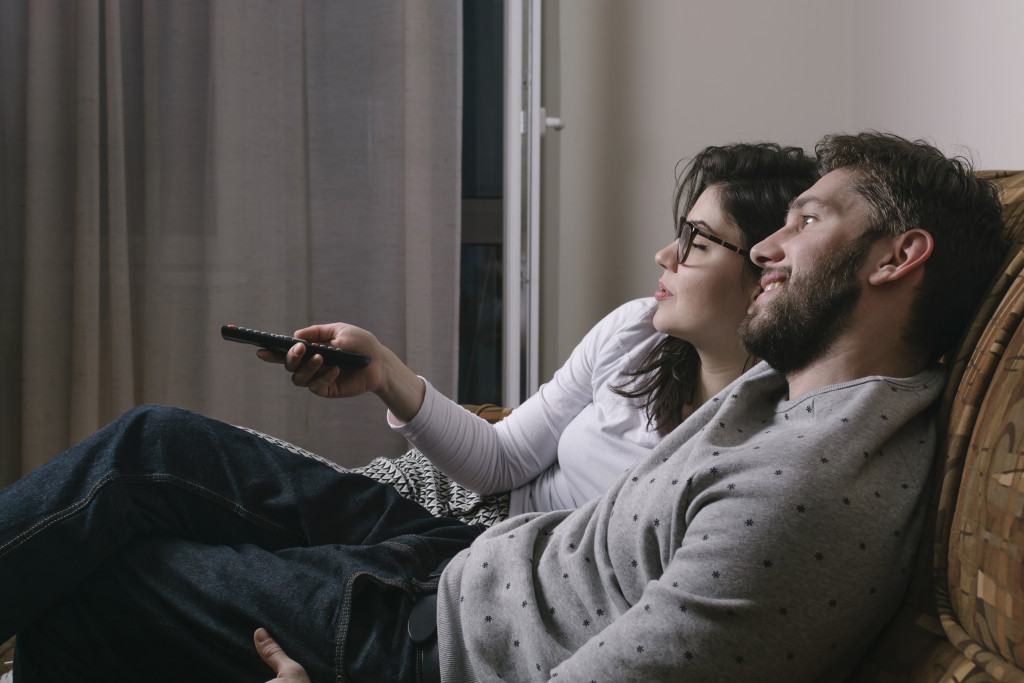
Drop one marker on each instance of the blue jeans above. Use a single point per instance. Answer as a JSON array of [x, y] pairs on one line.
[[153, 549]]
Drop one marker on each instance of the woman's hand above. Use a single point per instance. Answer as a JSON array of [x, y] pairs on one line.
[[387, 376], [333, 382], [286, 669]]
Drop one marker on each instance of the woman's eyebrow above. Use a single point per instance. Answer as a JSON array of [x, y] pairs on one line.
[[703, 226]]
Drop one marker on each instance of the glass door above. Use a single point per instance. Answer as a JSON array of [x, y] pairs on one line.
[[503, 122]]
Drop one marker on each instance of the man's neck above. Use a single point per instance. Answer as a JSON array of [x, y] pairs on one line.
[[847, 362], [872, 343]]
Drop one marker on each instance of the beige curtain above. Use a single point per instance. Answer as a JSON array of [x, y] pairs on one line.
[[168, 167]]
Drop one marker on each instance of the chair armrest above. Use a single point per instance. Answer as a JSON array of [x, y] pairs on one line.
[[488, 411]]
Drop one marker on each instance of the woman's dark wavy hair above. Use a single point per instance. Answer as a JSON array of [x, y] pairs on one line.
[[756, 183]]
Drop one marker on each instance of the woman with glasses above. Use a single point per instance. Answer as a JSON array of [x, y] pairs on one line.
[[635, 376]]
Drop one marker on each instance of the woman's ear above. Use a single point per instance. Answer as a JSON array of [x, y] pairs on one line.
[[907, 252]]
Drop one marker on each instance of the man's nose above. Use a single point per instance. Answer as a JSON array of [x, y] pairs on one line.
[[769, 250]]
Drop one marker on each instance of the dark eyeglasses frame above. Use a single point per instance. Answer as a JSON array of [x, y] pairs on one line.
[[683, 246]]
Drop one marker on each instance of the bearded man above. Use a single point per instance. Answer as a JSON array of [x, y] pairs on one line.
[[771, 535]]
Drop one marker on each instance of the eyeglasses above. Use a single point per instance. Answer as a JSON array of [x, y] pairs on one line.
[[684, 240]]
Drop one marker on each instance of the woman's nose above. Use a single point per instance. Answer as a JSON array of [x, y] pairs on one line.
[[666, 256]]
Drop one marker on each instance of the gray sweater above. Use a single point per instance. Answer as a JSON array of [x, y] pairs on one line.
[[764, 539]]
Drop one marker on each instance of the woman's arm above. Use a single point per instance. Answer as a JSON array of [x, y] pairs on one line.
[[481, 456], [493, 458]]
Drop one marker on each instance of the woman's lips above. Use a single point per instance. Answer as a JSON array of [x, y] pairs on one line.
[[662, 293]]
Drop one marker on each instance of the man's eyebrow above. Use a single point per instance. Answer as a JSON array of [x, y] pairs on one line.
[[803, 200]]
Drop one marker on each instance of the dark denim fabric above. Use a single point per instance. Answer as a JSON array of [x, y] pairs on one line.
[[153, 549]]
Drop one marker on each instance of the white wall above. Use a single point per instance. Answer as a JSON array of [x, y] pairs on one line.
[[947, 70], [642, 84]]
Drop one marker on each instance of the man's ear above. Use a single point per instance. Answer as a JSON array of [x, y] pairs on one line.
[[908, 251]]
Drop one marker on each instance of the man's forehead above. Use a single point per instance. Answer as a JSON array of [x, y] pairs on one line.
[[833, 192]]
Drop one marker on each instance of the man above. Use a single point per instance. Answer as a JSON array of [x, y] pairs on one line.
[[767, 538]]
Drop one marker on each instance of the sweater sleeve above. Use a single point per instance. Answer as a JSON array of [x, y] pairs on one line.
[[750, 603], [759, 592], [491, 458], [789, 559]]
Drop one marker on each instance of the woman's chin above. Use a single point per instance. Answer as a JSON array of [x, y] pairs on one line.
[[663, 323]]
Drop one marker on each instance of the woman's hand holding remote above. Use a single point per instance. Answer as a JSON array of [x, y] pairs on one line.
[[386, 375]]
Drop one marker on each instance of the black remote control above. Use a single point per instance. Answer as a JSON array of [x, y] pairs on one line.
[[280, 343]]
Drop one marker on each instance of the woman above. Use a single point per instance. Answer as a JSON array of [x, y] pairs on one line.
[[633, 378]]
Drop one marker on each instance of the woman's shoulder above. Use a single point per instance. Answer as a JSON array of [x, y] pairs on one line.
[[628, 326], [637, 313], [628, 330]]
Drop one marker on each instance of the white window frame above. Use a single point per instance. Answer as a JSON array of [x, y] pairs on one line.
[[524, 122]]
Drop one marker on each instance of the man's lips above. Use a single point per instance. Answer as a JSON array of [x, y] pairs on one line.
[[770, 282]]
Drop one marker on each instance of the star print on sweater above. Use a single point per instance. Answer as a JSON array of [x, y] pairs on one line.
[[777, 561]]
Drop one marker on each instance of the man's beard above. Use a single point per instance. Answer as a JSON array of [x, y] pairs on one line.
[[799, 324]]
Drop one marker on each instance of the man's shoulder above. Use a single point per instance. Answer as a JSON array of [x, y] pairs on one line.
[[760, 397], [924, 387]]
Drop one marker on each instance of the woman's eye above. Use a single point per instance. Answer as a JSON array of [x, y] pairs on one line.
[[702, 247]]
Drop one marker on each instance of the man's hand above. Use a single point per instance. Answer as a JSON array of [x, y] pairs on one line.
[[287, 670]]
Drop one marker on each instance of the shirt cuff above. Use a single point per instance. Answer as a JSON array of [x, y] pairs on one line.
[[421, 418]]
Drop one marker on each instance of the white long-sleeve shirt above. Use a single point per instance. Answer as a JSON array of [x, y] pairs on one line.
[[564, 445]]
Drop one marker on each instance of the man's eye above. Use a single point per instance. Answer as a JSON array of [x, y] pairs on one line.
[[807, 220]]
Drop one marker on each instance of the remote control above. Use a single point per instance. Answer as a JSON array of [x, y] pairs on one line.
[[280, 343]]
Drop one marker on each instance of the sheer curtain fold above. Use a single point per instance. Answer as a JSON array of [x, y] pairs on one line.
[[427, 193], [170, 167], [100, 381]]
